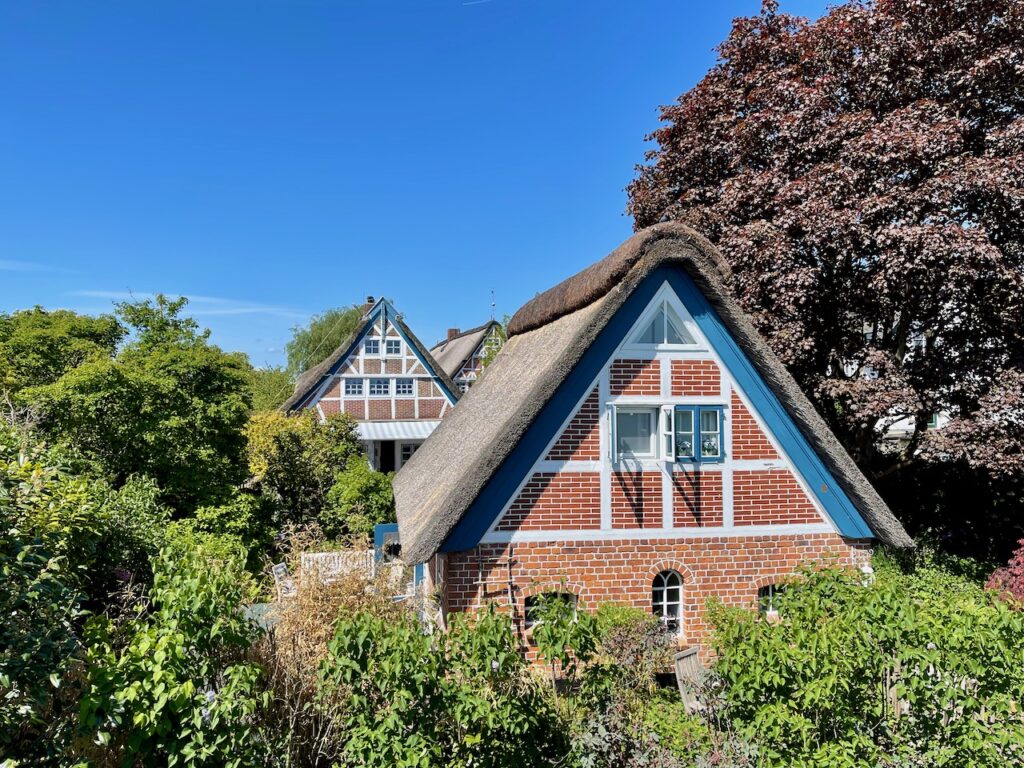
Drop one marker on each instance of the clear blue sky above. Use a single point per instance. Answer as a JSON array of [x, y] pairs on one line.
[[273, 159]]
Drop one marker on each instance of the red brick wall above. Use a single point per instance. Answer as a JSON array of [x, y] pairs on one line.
[[730, 569], [636, 377], [697, 499], [636, 500], [748, 441], [328, 406], [405, 409], [371, 365], [566, 500], [355, 408], [427, 388], [580, 441], [392, 365], [695, 377], [431, 409], [380, 409], [334, 390], [770, 497]]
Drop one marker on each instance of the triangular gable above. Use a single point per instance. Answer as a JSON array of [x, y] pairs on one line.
[[816, 478], [381, 320]]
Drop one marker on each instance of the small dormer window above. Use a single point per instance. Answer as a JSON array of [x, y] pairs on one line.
[[664, 327]]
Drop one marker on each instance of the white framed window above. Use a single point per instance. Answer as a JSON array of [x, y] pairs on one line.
[[636, 432], [353, 387], [371, 346], [403, 387], [405, 452], [766, 597], [667, 599], [380, 387], [392, 347]]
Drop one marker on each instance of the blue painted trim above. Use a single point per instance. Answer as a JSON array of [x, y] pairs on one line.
[[379, 530], [496, 493]]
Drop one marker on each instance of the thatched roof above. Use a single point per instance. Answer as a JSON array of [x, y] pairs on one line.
[[311, 380], [547, 338], [451, 354]]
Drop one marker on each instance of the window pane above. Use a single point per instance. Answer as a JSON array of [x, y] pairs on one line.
[[709, 446], [372, 346], [634, 430], [709, 421], [684, 434], [393, 346], [652, 333]]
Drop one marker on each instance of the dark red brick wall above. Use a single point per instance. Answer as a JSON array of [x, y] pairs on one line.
[[580, 441], [566, 500], [697, 499], [748, 441], [695, 377], [636, 500], [770, 497], [636, 377]]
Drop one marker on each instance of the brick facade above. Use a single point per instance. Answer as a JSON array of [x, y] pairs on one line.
[[580, 440], [748, 439], [566, 501], [771, 497], [636, 377], [730, 569], [696, 377]]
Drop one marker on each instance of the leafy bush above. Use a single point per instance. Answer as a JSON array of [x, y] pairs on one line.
[[360, 499], [921, 669], [296, 459], [38, 645], [247, 517], [455, 699], [565, 636], [173, 684]]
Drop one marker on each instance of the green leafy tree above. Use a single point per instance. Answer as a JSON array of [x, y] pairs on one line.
[[168, 405], [296, 460], [359, 499], [39, 346], [270, 387], [565, 637], [312, 343], [926, 669]]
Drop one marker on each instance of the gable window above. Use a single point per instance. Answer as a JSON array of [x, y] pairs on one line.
[[371, 346], [392, 347], [636, 432], [353, 387], [403, 387], [667, 599], [380, 387], [664, 327], [698, 433]]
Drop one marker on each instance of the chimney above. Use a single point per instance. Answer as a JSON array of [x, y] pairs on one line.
[[368, 305], [452, 333]]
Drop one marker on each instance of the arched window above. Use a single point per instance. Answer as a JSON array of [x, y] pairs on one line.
[[766, 597], [548, 604], [667, 599]]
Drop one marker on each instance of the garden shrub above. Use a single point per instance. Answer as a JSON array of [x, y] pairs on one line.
[[38, 646], [461, 698], [360, 499], [921, 669], [172, 685]]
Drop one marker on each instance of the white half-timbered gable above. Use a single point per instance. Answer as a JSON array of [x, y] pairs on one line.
[[665, 443], [384, 379]]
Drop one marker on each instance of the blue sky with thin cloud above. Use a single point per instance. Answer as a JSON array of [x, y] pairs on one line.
[[272, 159]]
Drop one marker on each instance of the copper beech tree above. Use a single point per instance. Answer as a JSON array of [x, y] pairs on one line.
[[863, 175]]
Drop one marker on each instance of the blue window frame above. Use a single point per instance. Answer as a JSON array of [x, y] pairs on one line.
[[699, 433]]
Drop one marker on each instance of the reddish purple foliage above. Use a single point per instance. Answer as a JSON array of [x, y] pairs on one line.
[[864, 177], [1009, 579]]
